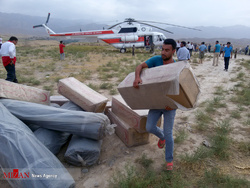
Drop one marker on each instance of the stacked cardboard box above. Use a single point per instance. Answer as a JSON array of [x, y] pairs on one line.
[[82, 95], [131, 124]]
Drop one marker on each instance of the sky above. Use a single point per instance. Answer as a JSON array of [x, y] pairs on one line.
[[189, 13]]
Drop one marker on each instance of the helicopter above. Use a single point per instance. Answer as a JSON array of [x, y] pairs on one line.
[[126, 34]]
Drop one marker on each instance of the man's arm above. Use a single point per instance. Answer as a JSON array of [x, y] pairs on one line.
[[138, 70]]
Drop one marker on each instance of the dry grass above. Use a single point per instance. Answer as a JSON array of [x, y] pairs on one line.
[[102, 68]]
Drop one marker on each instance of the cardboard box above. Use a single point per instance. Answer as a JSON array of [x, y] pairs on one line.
[[82, 95], [134, 118], [58, 99], [129, 136], [172, 85], [11, 90]]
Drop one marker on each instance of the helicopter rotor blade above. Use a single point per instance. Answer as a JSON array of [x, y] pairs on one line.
[[169, 24], [47, 19], [154, 27]]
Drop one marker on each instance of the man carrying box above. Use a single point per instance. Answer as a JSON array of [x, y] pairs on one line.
[[168, 50]]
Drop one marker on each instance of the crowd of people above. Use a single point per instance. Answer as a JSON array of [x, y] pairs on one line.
[[184, 51]]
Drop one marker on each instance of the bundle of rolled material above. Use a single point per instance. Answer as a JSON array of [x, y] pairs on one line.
[[81, 151], [85, 124], [52, 139], [25, 161]]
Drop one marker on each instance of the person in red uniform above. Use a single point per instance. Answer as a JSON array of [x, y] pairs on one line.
[[8, 53], [61, 46]]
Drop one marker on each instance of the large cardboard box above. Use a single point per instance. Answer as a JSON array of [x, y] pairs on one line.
[[134, 118], [82, 95], [11, 90], [129, 136], [172, 85]]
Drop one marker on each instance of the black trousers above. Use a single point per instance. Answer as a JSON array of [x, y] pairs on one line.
[[226, 60], [11, 73]]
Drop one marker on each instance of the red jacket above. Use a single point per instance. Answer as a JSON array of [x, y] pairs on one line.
[[61, 46]]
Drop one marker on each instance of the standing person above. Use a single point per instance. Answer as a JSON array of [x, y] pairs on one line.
[[183, 53], [209, 48], [168, 50], [235, 53], [61, 46], [1, 42], [246, 49], [216, 53], [190, 48], [133, 50], [202, 50], [8, 53], [178, 45], [227, 52], [221, 49]]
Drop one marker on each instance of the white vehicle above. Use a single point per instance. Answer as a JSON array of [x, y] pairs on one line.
[[122, 35]]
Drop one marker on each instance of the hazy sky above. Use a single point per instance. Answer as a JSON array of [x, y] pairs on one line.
[[189, 13]]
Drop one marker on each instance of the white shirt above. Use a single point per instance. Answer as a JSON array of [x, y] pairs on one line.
[[8, 49], [183, 54]]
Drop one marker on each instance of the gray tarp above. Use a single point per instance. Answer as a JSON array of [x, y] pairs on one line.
[[84, 124], [52, 139], [21, 151], [81, 151]]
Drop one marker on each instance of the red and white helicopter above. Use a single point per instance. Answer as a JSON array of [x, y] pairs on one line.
[[122, 35]]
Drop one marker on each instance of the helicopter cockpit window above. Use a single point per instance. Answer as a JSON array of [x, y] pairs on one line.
[[128, 30], [159, 38]]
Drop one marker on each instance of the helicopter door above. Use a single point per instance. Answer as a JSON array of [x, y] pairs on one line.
[[148, 40]]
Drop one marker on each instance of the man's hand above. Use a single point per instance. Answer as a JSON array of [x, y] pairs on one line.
[[168, 108], [137, 82], [11, 62]]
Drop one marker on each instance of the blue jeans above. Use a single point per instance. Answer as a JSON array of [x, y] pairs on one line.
[[166, 133], [62, 56]]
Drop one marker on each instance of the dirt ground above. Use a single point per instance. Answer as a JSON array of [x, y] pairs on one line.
[[115, 155]]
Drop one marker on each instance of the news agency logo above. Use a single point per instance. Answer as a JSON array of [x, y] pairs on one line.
[[16, 175]]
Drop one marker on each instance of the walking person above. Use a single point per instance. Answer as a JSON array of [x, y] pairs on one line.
[[8, 53], [61, 46], [166, 135], [216, 53], [227, 53]]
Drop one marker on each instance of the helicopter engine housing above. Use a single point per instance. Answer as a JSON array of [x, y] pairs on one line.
[[129, 38]]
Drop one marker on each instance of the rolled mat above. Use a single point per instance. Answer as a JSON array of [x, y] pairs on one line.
[[81, 151], [84, 124], [26, 162]]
